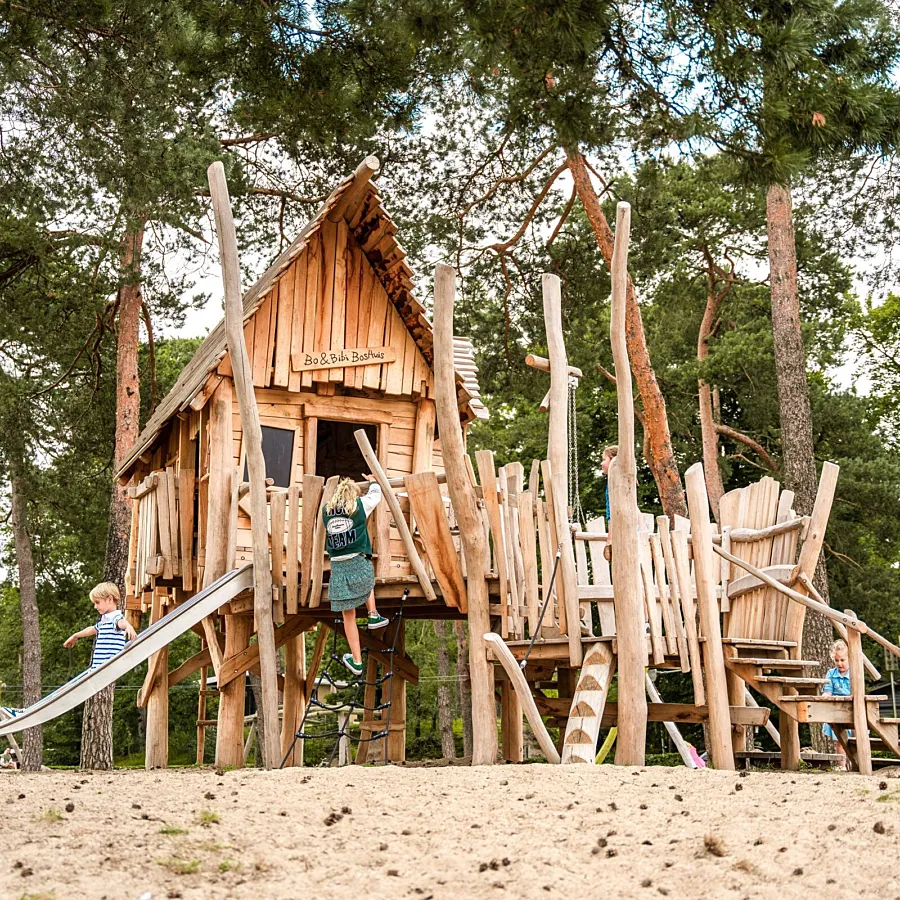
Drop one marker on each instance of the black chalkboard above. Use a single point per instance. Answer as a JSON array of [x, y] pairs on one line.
[[278, 451]]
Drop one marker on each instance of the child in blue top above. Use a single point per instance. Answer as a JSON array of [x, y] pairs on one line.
[[837, 684]]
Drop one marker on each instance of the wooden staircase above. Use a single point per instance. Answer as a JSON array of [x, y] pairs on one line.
[[768, 668]]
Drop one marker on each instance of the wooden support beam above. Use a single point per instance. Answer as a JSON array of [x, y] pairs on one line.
[[858, 694], [721, 751], [624, 524], [256, 465], [246, 658], [462, 495], [230, 723], [156, 755]]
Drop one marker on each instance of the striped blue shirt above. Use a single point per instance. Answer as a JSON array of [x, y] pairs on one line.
[[110, 639]]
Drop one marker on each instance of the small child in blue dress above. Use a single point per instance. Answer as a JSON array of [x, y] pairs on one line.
[[837, 684]]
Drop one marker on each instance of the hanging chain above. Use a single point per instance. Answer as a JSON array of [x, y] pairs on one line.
[[574, 485]]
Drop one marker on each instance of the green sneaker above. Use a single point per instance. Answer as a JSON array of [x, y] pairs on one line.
[[376, 620], [355, 667]]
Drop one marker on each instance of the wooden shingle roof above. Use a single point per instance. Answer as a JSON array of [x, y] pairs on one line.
[[357, 200]]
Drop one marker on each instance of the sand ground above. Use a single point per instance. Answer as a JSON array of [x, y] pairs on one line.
[[531, 831]]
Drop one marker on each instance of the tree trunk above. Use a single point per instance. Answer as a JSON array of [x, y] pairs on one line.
[[444, 698], [256, 687], [96, 747], [463, 688], [662, 458], [709, 435], [793, 401], [33, 738]]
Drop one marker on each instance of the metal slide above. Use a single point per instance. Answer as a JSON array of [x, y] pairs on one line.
[[156, 637]]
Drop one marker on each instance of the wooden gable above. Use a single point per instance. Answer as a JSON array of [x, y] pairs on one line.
[[329, 307]]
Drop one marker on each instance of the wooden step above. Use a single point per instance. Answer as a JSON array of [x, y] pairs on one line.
[[885, 720], [830, 698], [790, 679], [752, 643], [764, 663]]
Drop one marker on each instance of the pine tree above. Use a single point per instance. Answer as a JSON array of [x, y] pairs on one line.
[[790, 83]]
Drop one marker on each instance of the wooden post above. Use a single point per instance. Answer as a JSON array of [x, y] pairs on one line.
[[720, 751], [566, 574], [462, 494], [391, 498], [623, 526], [513, 743], [230, 723], [294, 697], [858, 694], [396, 740], [256, 465], [557, 435], [157, 740]]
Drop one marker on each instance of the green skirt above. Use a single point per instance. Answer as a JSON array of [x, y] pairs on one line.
[[352, 581]]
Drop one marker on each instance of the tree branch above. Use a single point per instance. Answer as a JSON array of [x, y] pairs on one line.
[[756, 447]]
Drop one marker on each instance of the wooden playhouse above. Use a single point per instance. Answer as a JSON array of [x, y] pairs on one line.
[[337, 342]]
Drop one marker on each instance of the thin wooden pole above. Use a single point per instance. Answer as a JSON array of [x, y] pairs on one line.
[[623, 526], [256, 465], [394, 505], [720, 751], [557, 434], [462, 495]]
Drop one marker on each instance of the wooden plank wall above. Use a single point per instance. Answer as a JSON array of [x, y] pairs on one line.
[[350, 309]]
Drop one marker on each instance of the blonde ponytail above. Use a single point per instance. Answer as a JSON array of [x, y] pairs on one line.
[[344, 498]]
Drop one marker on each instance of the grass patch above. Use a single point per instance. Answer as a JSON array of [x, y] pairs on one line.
[[52, 815], [228, 865], [172, 830], [43, 895], [889, 798], [180, 866], [208, 817]]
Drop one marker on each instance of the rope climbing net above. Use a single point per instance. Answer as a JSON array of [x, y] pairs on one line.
[[345, 708]]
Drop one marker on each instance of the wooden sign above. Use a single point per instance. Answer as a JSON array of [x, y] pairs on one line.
[[345, 359]]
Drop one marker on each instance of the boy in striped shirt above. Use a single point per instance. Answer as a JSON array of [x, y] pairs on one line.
[[110, 632]]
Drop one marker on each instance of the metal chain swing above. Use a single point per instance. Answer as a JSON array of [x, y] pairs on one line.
[[577, 513]]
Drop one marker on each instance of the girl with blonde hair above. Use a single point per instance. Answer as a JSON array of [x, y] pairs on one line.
[[837, 684], [347, 542]]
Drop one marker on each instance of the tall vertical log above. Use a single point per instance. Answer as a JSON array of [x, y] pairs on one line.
[[720, 749], [661, 458], [624, 522], [33, 738], [557, 431], [793, 400], [96, 728], [462, 495], [256, 465]]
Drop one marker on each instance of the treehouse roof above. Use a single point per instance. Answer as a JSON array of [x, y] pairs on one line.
[[357, 201]]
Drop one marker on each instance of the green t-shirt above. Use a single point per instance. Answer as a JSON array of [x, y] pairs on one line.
[[346, 535]]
